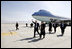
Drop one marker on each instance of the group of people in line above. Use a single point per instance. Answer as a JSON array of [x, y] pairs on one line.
[[42, 28]]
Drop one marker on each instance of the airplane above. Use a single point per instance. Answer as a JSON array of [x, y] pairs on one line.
[[46, 16]]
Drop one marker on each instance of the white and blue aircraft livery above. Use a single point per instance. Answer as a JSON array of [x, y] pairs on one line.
[[43, 15]]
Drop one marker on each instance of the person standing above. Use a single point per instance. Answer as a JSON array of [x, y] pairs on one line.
[[62, 26], [26, 25], [17, 26], [42, 30], [31, 25], [36, 26], [55, 25], [50, 28]]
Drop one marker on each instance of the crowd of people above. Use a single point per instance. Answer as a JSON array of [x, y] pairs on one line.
[[43, 26]]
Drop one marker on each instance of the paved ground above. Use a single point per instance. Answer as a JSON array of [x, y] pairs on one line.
[[23, 38]]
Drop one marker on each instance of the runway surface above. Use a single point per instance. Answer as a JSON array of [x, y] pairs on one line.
[[23, 38]]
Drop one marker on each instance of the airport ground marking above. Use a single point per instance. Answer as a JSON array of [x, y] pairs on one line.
[[8, 33]]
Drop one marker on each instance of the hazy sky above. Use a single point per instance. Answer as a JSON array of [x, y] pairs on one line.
[[23, 10]]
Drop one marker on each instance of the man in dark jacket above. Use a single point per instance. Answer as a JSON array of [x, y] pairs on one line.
[[26, 25], [42, 30], [36, 26], [50, 28], [17, 26], [63, 26], [31, 25], [55, 25]]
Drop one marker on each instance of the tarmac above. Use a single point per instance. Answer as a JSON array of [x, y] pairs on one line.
[[23, 38]]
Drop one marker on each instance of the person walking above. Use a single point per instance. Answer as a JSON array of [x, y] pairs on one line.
[[62, 26], [17, 26], [42, 30], [36, 26]]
